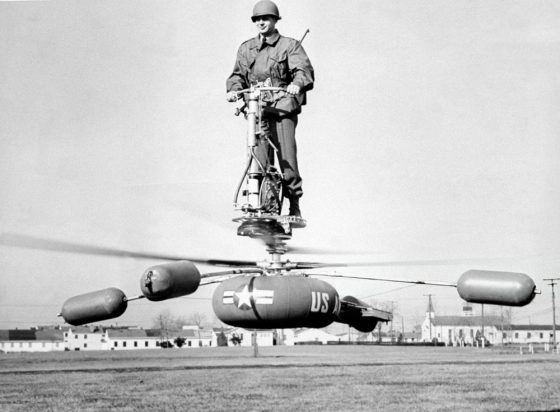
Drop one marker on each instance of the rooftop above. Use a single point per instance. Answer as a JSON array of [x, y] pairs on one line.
[[468, 321], [31, 334], [534, 327]]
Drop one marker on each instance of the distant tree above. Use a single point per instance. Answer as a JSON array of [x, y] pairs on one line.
[[179, 341], [236, 339], [222, 339]]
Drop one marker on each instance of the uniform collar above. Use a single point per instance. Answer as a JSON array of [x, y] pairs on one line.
[[270, 40]]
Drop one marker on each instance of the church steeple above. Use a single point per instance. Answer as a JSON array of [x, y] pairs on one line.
[[429, 316], [430, 309]]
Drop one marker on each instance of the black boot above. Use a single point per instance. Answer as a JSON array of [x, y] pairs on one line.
[[294, 207]]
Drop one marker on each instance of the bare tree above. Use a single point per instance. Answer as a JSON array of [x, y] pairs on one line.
[[198, 319], [180, 321], [164, 321]]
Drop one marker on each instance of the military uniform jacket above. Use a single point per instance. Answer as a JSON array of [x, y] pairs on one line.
[[280, 59]]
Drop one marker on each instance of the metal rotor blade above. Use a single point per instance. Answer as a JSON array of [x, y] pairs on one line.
[[30, 242], [304, 250], [427, 262], [217, 277], [414, 282], [231, 272]]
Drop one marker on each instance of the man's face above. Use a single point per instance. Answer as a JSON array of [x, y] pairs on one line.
[[265, 24]]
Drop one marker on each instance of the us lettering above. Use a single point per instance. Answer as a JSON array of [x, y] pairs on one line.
[[319, 302]]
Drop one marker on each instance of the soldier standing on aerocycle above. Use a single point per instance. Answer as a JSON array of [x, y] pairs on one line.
[[283, 62]]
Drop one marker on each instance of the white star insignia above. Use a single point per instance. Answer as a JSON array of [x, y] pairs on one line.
[[244, 298]]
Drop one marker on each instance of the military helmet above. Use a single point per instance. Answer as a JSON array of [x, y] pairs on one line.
[[265, 8]]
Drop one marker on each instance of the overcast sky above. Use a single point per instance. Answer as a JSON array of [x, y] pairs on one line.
[[432, 133]]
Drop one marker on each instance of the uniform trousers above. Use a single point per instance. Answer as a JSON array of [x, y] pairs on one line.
[[281, 131]]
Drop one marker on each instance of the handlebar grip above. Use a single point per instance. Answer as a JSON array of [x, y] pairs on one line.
[[262, 89]]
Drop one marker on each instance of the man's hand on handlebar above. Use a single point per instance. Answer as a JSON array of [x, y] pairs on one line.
[[293, 89], [231, 96]]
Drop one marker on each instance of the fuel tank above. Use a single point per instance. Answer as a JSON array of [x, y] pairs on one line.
[[267, 302]]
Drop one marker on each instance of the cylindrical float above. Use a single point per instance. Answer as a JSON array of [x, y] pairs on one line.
[[94, 306], [353, 316], [170, 280], [497, 288]]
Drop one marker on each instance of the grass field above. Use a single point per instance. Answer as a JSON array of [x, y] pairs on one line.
[[302, 377]]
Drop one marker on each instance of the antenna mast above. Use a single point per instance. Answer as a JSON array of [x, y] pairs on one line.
[[552, 284]]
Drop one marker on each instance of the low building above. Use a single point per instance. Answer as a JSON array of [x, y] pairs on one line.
[[131, 339], [461, 330], [470, 330], [354, 336], [285, 337], [244, 337], [412, 337], [196, 337], [525, 334], [31, 340], [263, 337], [84, 338], [314, 336]]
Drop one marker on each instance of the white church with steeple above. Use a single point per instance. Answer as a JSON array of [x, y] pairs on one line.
[[466, 329]]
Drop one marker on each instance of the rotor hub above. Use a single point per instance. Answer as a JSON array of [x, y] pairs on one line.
[[267, 229], [273, 231]]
